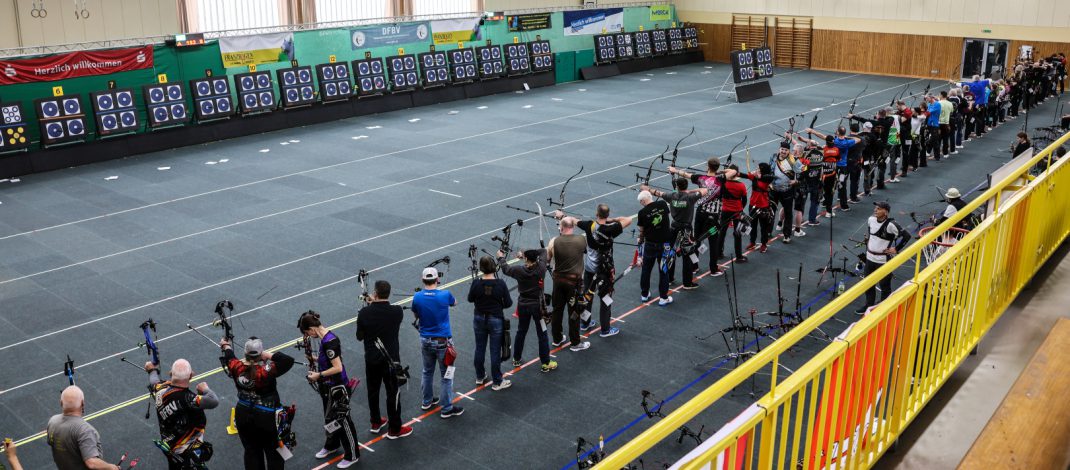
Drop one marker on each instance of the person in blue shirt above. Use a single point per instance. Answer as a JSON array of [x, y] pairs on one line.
[[932, 125], [979, 90], [844, 143], [432, 309]]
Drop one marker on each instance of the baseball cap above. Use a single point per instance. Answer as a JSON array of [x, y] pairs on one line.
[[429, 274], [883, 205], [254, 347], [785, 145]]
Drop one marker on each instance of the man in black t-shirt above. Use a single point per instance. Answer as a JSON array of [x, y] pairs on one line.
[[598, 271], [378, 325], [682, 208], [656, 240]]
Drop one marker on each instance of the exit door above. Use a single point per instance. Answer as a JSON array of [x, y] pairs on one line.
[[984, 57]]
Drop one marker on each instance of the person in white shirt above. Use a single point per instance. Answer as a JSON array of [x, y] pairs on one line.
[[884, 238]]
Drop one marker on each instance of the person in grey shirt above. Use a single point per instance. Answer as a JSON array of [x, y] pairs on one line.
[[75, 443]]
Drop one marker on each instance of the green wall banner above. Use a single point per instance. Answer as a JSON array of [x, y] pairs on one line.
[[660, 12], [388, 35]]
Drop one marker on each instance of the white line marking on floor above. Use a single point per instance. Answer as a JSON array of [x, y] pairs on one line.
[[358, 137], [339, 198], [453, 112], [362, 446], [295, 141], [96, 320], [284, 143], [527, 106], [224, 160], [209, 163], [414, 120], [359, 160], [110, 178], [557, 99], [465, 396], [15, 180], [163, 168], [442, 192], [644, 79], [374, 127]]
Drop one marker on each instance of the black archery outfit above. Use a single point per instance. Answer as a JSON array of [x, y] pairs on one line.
[[260, 413]]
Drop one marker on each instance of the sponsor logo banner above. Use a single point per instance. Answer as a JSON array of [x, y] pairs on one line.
[[529, 22], [388, 35], [454, 31], [74, 64], [660, 12], [581, 22], [256, 49]]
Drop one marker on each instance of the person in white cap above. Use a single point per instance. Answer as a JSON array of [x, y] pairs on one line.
[[432, 309], [954, 204]]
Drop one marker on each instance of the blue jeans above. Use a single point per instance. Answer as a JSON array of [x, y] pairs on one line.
[[526, 316], [488, 327], [652, 255], [815, 201], [434, 352]]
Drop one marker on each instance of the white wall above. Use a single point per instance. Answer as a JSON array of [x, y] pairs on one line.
[[504, 5], [1042, 13], [108, 19]]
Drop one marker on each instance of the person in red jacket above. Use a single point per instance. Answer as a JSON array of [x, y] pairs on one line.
[[760, 213], [733, 198]]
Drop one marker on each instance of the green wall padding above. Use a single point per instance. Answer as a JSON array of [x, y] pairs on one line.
[[310, 48]]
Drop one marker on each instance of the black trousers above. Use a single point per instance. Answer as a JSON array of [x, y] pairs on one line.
[[604, 311], [842, 173], [259, 437], [827, 184], [761, 224], [726, 219], [885, 284], [378, 374], [786, 201], [684, 260], [855, 172], [704, 221], [564, 289], [945, 139], [346, 435]]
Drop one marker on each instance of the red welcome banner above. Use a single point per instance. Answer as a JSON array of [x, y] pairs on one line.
[[74, 64]]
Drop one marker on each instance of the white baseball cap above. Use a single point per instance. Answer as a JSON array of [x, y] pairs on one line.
[[429, 274]]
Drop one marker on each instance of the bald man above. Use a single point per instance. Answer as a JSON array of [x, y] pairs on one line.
[[75, 444], [180, 412]]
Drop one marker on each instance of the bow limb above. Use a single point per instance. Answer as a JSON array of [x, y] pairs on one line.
[[561, 197], [676, 149]]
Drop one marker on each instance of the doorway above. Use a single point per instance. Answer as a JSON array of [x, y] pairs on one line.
[[984, 57]]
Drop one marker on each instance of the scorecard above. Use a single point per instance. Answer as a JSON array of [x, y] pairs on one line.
[[749, 65]]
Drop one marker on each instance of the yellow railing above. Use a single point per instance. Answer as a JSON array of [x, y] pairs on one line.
[[846, 406]]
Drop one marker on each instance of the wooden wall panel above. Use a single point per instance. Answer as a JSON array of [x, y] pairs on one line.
[[1042, 48], [716, 41], [907, 55]]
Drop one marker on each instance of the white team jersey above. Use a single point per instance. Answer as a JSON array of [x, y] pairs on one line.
[[875, 246]]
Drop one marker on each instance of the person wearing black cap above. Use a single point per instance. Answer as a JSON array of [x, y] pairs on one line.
[[258, 401], [530, 303], [884, 238]]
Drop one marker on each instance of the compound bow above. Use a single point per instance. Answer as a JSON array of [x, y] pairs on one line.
[[154, 355], [305, 346]]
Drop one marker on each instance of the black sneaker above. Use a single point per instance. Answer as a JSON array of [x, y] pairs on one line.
[[455, 411], [691, 286], [861, 311], [434, 402], [741, 259], [845, 209]]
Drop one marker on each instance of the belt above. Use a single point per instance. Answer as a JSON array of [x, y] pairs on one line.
[[250, 404], [566, 276]]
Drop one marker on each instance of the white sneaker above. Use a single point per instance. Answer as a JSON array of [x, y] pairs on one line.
[[644, 298], [323, 453], [506, 383], [665, 301], [799, 233], [348, 463], [958, 146], [580, 347]]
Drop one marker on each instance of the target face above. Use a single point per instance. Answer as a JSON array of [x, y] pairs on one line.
[[341, 71], [397, 64], [75, 127], [223, 105], [460, 73], [429, 61], [72, 106], [440, 60], [289, 78], [410, 63], [54, 130], [364, 68], [250, 101], [12, 114], [304, 76], [458, 56], [221, 86], [306, 93], [443, 75], [207, 108], [104, 102], [366, 84], [328, 73], [292, 95], [263, 80], [108, 122], [128, 119], [174, 92], [126, 99], [247, 83], [343, 88], [331, 89], [49, 109], [203, 89], [469, 56], [160, 113], [380, 83], [267, 99]]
